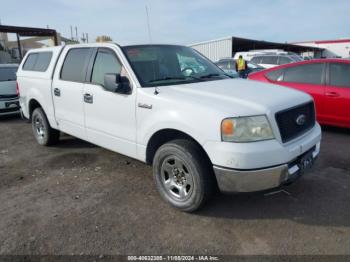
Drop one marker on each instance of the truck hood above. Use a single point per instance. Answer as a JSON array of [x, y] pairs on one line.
[[237, 97]]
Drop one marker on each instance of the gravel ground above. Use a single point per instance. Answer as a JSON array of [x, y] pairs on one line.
[[77, 198]]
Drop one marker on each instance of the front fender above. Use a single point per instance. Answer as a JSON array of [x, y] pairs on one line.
[[156, 121]]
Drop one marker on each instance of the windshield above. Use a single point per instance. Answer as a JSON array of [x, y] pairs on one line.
[[8, 74], [157, 65], [296, 58], [254, 66]]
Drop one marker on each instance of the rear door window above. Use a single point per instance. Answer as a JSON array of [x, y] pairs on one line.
[[284, 60], [43, 61], [8, 74], [270, 60], [37, 61], [296, 58], [30, 62], [256, 60], [308, 74], [75, 64], [339, 74]]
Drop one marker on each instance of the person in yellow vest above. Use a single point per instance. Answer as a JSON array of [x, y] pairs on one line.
[[241, 67]]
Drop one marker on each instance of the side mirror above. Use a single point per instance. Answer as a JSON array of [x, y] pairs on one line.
[[117, 84]]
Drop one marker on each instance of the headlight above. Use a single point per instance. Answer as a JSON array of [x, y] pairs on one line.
[[246, 129]]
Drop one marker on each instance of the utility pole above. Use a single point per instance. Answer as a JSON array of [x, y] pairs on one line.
[[71, 33], [76, 33], [83, 39], [148, 25]]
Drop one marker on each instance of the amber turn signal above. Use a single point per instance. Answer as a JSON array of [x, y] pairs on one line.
[[227, 127]]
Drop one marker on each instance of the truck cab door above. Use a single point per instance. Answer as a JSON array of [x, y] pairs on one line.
[[67, 90], [110, 118]]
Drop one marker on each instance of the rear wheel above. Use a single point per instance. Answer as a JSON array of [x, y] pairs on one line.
[[43, 133], [183, 175]]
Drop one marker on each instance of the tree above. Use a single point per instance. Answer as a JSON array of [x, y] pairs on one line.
[[103, 38]]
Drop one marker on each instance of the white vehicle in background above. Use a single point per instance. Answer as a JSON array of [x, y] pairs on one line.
[[250, 54], [270, 60], [9, 99], [199, 128]]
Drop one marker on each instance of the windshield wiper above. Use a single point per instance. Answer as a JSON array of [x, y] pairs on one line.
[[194, 77], [175, 78], [200, 78], [210, 75], [167, 78]]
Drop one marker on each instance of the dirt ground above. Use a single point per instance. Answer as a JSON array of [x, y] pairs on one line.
[[77, 198]]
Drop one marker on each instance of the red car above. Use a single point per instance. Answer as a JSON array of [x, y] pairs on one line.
[[327, 80]]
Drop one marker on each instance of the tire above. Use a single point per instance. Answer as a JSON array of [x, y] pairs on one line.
[[183, 175], [43, 133]]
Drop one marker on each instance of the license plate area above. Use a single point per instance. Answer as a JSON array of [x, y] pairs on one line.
[[301, 164], [14, 104], [306, 161]]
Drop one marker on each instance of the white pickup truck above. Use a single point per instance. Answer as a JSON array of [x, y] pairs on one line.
[[172, 108]]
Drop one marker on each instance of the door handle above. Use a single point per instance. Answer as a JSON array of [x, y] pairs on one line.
[[88, 98], [57, 92], [332, 94]]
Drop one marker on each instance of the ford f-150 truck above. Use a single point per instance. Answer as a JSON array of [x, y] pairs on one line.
[[170, 107]]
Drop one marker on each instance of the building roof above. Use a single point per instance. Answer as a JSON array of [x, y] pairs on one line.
[[336, 41], [243, 44], [27, 31], [240, 44]]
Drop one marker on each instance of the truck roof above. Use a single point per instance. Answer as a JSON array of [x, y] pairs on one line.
[[45, 49], [56, 51], [106, 44]]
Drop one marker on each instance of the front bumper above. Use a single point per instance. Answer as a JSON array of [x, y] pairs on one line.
[[236, 181], [9, 106]]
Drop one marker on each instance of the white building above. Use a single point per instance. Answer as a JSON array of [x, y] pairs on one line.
[[229, 46], [332, 48]]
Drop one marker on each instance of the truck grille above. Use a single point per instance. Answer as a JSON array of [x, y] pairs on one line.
[[295, 121]]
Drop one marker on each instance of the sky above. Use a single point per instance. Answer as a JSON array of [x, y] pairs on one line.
[[185, 21]]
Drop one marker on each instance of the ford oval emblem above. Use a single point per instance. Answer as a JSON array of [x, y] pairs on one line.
[[301, 119]]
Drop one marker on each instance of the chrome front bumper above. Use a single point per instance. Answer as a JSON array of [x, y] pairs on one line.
[[236, 181]]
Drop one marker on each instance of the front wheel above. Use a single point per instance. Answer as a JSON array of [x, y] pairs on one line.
[[43, 133], [182, 174]]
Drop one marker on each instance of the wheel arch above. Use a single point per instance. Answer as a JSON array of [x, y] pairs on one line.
[[32, 105], [163, 136]]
